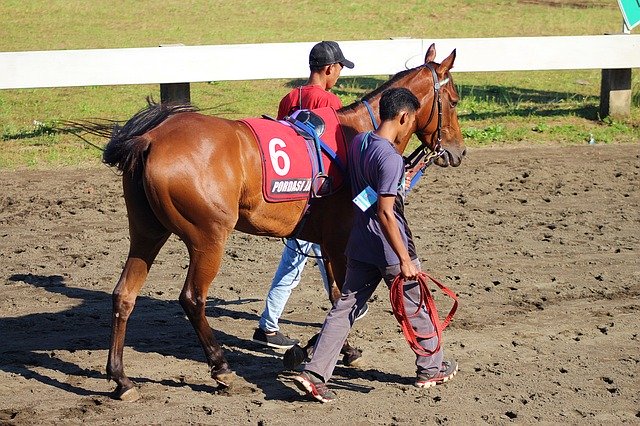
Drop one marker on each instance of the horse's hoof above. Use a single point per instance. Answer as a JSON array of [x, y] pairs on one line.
[[129, 395], [353, 358], [225, 378], [293, 357]]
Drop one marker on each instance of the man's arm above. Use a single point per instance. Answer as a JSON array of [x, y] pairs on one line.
[[391, 231]]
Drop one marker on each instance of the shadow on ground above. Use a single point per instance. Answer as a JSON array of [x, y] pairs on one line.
[[31, 342]]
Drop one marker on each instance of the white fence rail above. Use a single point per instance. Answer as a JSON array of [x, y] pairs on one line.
[[184, 64]]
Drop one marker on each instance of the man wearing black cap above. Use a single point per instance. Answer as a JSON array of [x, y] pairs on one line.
[[326, 61]]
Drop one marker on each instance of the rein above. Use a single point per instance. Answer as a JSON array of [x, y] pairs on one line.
[[426, 300], [371, 115], [298, 250]]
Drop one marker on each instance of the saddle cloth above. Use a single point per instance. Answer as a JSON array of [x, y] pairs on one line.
[[289, 161]]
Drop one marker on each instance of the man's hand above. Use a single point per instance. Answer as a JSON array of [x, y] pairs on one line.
[[407, 180], [409, 271], [412, 172]]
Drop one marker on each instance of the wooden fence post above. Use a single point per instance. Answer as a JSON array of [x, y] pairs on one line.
[[179, 93], [615, 93], [175, 93]]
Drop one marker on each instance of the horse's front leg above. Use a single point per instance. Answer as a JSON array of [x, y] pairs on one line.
[[334, 289], [296, 355], [203, 267], [351, 356]]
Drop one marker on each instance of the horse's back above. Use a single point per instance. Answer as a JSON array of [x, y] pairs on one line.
[[202, 170], [196, 137]]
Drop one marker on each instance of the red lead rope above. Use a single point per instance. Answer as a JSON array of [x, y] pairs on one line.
[[426, 300]]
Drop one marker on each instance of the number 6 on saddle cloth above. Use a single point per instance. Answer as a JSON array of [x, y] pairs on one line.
[[303, 156]]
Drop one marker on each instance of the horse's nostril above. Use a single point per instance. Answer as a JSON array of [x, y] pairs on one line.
[[464, 152]]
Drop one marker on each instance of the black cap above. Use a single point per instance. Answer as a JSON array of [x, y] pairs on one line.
[[327, 53]]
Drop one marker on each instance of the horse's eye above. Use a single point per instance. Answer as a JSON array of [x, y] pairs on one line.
[[453, 104]]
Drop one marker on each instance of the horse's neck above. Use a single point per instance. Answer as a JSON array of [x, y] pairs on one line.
[[356, 119]]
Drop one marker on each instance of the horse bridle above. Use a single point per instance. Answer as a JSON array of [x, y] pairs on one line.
[[421, 152]]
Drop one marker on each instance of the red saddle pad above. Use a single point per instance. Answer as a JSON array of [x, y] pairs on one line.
[[287, 171]]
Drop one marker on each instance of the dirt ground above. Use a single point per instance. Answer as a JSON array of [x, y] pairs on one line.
[[542, 244]]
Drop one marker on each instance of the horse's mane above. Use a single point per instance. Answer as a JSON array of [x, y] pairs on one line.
[[379, 89]]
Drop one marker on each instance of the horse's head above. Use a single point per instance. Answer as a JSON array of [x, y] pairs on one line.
[[436, 121], [437, 124]]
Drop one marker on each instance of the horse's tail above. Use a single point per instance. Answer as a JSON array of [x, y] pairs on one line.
[[126, 147]]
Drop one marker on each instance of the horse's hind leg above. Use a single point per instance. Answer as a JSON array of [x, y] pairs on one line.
[[147, 238], [124, 299], [203, 267]]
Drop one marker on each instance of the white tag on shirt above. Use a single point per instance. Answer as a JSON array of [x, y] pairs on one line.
[[366, 198]]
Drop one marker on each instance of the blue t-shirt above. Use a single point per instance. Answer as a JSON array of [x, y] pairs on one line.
[[374, 162]]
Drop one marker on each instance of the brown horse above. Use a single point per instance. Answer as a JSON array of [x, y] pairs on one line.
[[200, 177]]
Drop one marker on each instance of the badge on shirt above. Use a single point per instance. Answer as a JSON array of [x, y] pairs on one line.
[[366, 198]]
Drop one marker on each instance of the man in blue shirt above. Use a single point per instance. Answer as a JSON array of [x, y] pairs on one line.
[[380, 247]]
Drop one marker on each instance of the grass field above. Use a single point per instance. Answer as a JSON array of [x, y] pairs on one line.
[[496, 108]]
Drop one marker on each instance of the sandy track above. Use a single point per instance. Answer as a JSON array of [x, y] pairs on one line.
[[542, 245]]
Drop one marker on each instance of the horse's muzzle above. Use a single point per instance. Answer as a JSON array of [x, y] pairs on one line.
[[451, 157]]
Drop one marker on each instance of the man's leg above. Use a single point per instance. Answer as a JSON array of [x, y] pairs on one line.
[[286, 278], [361, 281]]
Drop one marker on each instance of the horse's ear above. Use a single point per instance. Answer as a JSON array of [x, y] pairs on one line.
[[447, 64], [431, 54]]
